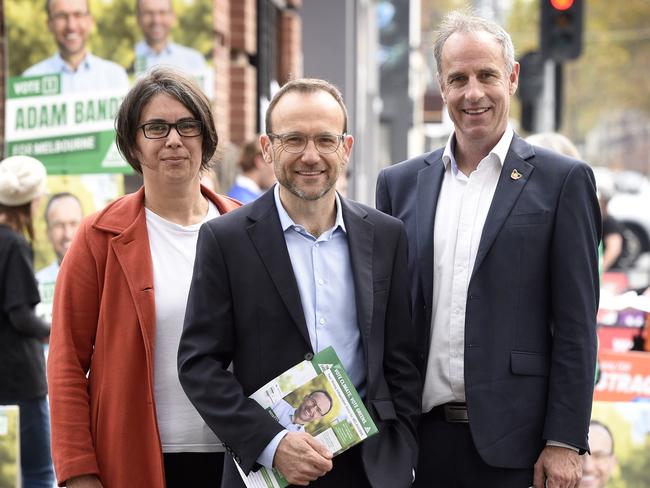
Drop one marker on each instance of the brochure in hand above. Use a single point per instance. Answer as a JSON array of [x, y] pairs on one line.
[[316, 397]]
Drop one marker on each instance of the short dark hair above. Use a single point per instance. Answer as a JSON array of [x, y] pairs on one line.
[[54, 198], [326, 394], [306, 85], [249, 152], [48, 2], [163, 80], [19, 218]]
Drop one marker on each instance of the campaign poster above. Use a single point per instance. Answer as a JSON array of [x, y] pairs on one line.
[[10, 446], [69, 65], [619, 438], [624, 377], [619, 432]]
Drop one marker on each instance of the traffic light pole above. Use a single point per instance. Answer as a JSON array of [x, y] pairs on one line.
[[545, 116]]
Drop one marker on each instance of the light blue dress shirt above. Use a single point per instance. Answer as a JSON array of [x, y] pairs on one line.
[[324, 274], [93, 74], [285, 413], [181, 57]]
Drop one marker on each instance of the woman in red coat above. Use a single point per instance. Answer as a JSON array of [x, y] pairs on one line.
[[119, 415]]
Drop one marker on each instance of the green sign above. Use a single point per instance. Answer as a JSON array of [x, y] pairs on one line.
[[75, 154], [34, 86], [70, 134]]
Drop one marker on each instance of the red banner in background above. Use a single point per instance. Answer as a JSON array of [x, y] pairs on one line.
[[614, 282], [617, 339], [624, 376]]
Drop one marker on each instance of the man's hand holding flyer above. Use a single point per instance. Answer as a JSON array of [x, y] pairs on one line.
[[318, 398]]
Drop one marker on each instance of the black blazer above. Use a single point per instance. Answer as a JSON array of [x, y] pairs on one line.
[[530, 326], [244, 307]]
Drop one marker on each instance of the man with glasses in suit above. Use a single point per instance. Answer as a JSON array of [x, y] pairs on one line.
[[296, 271]]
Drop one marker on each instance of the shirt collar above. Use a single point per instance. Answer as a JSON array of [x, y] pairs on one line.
[[500, 150], [63, 67], [143, 49], [287, 222]]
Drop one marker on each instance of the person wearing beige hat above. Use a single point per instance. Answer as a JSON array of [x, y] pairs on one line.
[[22, 362]]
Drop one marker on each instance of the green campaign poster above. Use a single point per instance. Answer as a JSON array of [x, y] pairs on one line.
[[70, 63]]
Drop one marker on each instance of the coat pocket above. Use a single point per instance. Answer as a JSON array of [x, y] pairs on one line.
[[384, 409], [529, 363], [381, 285], [528, 218]]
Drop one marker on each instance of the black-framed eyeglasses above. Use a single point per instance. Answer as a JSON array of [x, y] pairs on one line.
[[296, 142], [160, 130]]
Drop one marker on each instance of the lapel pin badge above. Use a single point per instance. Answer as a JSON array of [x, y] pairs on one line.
[[515, 175]]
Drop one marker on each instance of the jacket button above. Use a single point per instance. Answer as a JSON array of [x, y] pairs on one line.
[[309, 356]]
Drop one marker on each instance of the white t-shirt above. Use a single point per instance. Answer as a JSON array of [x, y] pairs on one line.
[[173, 248]]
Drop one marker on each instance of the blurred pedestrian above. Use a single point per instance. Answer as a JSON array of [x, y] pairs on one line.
[[119, 415], [555, 142], [256, 176], [613, 240], [22, 360], [504, 263]]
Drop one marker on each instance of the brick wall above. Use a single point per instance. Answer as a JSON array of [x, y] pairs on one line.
[[243, 101], [290, 46], [221, 63], [243, 76], [243, 26]]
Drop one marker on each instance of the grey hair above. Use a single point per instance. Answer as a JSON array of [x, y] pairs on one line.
[[466, 22], [555, 142]]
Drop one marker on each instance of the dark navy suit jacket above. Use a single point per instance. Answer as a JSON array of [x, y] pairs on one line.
[[244, 307], [530, 327]]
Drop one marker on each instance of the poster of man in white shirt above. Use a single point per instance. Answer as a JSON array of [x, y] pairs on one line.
[[156, 18], [63, 215], [70, 22]]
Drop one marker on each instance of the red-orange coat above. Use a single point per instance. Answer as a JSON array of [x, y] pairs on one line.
[[100, 366]]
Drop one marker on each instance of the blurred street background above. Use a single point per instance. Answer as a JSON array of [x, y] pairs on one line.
[[585, 74]]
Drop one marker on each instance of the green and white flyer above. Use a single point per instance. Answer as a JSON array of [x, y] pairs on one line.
[[316, 397]]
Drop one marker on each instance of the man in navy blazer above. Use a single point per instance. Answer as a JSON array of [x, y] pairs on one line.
[[292, 273], [503, 262]]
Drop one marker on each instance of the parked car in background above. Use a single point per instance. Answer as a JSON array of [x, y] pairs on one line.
[[629, 203]]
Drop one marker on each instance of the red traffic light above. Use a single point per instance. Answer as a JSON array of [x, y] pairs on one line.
[[561, 29], [562, 4]]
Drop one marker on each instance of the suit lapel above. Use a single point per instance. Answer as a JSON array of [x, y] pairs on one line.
[[360, 234], [507, 191], [428, 189], [267, 237]]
